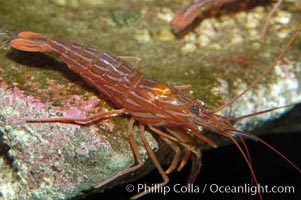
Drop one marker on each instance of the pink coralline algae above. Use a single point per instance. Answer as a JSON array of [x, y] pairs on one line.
[[56, 160]]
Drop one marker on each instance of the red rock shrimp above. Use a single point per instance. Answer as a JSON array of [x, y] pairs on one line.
[[168, 112], [188, 14]]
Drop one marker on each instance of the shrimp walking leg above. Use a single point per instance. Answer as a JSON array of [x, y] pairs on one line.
[[137, 157], [164, 135], [195, 168], [81, 121], [184, 160], [175, 160], [156, 163]]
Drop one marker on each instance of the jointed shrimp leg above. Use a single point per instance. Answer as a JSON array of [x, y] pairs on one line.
[[156, 163], [81, 121], [184, 160], [139, 160], [195, 168], [137, 157], [189, 148], [175, 160], [164, 135]]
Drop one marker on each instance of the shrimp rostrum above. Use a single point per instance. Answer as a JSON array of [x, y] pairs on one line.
[[165, 110]]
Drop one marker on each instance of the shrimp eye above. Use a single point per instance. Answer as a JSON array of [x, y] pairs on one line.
[[195, 109], [201, 101]]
